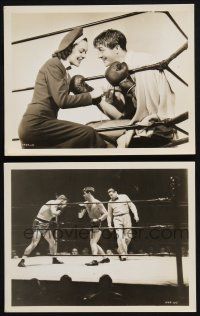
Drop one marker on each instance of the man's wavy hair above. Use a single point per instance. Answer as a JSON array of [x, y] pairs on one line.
[[110, 38], [66, 52]]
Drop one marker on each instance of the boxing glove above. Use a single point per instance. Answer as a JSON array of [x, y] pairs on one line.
[[115, 98], [116, 72], [128, 86], [124, 103], [78, 85]]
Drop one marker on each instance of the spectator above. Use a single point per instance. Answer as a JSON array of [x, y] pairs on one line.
[[109, 252], [74, 252], [105, 295], [168, 249], [65, 292], [184, 251], [150, 251], [85, 251], [36, 293], [163, 251]]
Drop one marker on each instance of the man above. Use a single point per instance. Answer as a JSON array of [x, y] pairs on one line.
[[97, 213], [41, 227], [119, 213], [74, 252], [151, 95]]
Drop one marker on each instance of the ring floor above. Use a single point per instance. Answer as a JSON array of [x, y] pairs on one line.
[[155, 270]]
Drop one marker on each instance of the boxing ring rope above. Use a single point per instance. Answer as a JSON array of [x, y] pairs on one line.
[[101, 22], [82, 204], [172, 201], [162, 65], [159, 66], [180, 281], [166, 122]]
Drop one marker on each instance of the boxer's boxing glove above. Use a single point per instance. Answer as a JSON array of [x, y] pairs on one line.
[[115, 98], [117, 74], [78, 85]]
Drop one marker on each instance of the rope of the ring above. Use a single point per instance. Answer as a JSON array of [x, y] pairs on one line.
[[82, 203], [101, 22], [147, 227], [74, 222], [169, 202], [116, 255], [82, 25], [113, 228], [162, 65], [166, 122]]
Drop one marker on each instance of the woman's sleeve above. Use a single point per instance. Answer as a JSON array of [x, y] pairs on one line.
[[59, 90]]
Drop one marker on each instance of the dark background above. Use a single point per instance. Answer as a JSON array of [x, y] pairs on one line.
[[33, 188]]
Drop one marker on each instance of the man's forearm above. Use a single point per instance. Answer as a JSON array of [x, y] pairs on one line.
[[103, 217], [56, 213], [109, 220], [134, 211]]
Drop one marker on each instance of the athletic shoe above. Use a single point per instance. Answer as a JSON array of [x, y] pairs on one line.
[[122, 258], [21, 263], [105, 260], [92, 263], [56, 261]]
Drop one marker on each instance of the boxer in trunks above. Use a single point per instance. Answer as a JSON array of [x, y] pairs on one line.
[[119, 213], [97, 213], [41, 227]]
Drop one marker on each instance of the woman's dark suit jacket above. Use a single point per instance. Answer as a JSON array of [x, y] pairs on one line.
[[40, 126]]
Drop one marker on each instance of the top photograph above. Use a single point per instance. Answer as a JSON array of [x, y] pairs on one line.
[[99, 80]]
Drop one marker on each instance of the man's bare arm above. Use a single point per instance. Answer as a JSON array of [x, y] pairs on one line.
[[81, 213], [110, 215], [103, 212]]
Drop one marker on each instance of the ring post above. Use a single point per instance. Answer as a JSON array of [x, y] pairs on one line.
[[174, 188]]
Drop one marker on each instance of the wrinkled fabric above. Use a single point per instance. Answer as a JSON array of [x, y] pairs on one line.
[[155, 98]]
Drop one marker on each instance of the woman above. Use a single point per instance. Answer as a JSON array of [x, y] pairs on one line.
[[40, 127]]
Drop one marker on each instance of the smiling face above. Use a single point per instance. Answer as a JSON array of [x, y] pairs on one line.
[[108, 55], [78, 53]]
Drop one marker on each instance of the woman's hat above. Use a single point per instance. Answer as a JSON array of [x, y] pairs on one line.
[[69, 39]]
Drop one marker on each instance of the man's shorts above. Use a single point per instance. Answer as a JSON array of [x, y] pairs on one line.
[[123, 221], [41, 225]]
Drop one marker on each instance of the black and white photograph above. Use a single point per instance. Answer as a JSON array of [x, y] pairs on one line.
[[100, 236], [99, 80]]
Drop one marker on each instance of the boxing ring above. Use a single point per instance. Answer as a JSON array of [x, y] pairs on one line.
[[163, 65], [137, 269]]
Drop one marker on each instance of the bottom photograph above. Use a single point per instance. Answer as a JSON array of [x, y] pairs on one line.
[[100, 236]]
